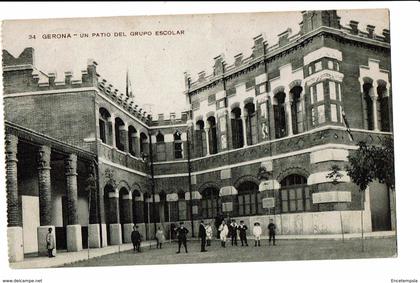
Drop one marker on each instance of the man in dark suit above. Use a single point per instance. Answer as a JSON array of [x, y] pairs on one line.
[[202, 236], [242, 233], [135, 239], [271, 232], [182, 232], [234, 232]]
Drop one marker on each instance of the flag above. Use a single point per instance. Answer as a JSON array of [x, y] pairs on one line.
[[346, 123], [128, 90]]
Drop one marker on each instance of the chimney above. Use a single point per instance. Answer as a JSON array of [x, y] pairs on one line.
[[238, 59], [354, 28], [370, 29], [386, 34]]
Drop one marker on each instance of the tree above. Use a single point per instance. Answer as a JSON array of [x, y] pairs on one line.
[[361, 170], [384, 172]]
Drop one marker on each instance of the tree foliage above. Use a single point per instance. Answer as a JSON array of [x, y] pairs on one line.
[[384, 160], [361, 168]]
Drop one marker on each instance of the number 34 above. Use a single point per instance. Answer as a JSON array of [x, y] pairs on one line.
[[31, 36]]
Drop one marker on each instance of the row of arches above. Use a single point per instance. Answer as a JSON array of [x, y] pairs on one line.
[[376, 105], [124, 207], [114, 132], [244, 122]]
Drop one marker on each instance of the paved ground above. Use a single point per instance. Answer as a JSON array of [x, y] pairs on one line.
[[284, 250]]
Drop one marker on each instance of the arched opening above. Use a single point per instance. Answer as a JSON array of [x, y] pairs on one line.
[[251, 123], [160, 147], [178, 154], [383, 108], [212, 136], [200, 137], [237, 128], [105, 126], [120, 134], [111, 209], [125, 206], [211, 204], [297, 109], [368, 106], [143, 144], [295, 195], [249, 199], [163, 208], [132, 141], [137, 208], [280, 125], [182, 207]]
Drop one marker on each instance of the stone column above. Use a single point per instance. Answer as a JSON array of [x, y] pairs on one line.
[[207, 129], [112, 131], [374, 96], [44, 188], [244, 128], [114, 219], [138, 213], [288, 109], [94, 230], [73, 229], [124, 137], [128, 217], [14, 217]]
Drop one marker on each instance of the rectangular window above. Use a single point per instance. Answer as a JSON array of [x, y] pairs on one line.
[[318, 66], [311, 89], [321, 114], [284, 201], [320, 92], [102, 131], [339, 91], [299, 199], [333, 94], [178, 149], [334, 113], [292, 200], [160, 152], [330, 65], [182, 209], [307, 199], [313, 114]]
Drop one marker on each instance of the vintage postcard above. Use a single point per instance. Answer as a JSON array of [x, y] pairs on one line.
[[199, 138]]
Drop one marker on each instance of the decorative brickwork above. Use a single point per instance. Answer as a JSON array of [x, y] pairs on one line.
[[44, 184], [14, 217]]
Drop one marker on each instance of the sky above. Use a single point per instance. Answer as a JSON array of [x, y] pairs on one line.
[[156, 64]]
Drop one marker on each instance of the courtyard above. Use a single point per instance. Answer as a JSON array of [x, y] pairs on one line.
[[284, 250]]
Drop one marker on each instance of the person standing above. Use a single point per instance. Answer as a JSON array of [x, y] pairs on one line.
[[182, 232], [224, 230], [160, 237], [257, 233], [50, 242], [234, 232], [209, 234], [202, 236], [242, 233], [135, 239], [272, 232]]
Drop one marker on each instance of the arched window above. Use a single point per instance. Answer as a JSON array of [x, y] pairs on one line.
[[105, 126], [297, 109], [143, 144], [237, 128], [368, 106], [249, 199], [160, 147], [211, 205], [120, 134], [200, 139], [132, 141], [383, 108], [182, 206], [177, 145], [251, 124], [295, 195], [212, 136], [280, 125]]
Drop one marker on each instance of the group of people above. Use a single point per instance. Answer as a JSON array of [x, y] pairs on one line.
[[233, 229], [225, 230]]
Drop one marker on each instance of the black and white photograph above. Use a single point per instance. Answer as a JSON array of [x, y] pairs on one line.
[[199, 138]]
